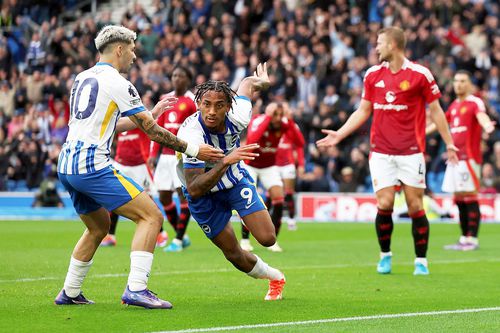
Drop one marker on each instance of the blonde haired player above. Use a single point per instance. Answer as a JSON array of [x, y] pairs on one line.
[[100, 96], [397, 92]]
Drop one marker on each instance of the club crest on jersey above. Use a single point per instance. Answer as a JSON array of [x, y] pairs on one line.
[[405, 85], [463, 110], [390, 97], [182, 106]]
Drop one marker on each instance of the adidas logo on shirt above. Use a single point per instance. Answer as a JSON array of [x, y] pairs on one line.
[[380, 84]]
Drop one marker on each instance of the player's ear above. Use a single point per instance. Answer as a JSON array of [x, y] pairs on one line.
[[119, 49]]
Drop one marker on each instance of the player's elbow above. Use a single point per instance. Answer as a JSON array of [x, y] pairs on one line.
[[194, 192]]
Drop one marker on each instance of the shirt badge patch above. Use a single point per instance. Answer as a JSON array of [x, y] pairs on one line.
[[463, 110], [405, 85]]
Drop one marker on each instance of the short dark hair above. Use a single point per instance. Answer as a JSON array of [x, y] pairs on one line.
[[217, 86], [186, 70], [465, 72]]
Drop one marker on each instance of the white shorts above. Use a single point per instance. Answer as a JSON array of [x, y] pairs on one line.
[[462, 177], [390, 170], [268, 177], [166, 178], [287, 171], [139, 173]]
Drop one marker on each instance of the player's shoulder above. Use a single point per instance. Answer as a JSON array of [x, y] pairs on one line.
[[189, 94], [478, 102], [375, 69], [419, 70], [191, 121]]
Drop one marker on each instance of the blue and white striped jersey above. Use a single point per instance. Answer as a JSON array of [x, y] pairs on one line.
[[99, 97], [194, 131]]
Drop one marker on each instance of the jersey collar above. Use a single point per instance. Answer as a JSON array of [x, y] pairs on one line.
[[104, 64]]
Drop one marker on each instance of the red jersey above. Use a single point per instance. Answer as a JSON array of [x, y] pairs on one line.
[[260, 131], [132, 147], [465, 128], [291, 148], [398, 103], [172, 119]]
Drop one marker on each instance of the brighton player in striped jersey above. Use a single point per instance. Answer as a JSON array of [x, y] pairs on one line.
[[213, 190], [467, 118], [100, 96], [397, 92]]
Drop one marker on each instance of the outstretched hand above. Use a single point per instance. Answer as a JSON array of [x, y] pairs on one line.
[[163, 105], [331, 139], [209, 153], [241, 153], [260, 73]]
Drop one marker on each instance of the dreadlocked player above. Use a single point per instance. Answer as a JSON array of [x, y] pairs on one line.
[[213, 190]]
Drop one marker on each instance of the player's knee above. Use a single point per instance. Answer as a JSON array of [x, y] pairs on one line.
[[101, 232], [385, 203], [414, 207], [234, 256], [268, 240], [157, 217]]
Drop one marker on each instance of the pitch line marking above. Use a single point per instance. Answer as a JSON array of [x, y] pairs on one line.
[[226, 270], [334, 320]]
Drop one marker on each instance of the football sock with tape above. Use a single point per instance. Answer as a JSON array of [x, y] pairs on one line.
[[420, 231], [384, 226]]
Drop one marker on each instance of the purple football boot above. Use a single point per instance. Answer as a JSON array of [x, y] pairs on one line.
[[145, 298], [63, 299]]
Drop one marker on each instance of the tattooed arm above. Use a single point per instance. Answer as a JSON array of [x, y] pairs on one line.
[[148, 125], [125, 124], [199, 182]]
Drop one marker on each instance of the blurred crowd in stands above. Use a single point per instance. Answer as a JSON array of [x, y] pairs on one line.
[[317, 53]]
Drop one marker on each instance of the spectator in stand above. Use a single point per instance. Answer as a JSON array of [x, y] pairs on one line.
[[347, 183], [323, 34]]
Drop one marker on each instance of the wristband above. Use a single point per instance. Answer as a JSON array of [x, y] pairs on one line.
[[192, 150]]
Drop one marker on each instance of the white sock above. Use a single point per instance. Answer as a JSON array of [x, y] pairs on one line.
[[385, 254], [140, 267], [77, 271], [423, 261], [463, 239], [261, 270]]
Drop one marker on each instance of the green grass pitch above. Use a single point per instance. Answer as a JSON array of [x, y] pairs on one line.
[[330, 270]]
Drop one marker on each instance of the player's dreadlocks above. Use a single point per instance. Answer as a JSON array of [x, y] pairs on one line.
[[217, 86]]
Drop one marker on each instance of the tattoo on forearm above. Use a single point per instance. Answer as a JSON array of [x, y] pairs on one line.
[[159, 134], [202, 183]]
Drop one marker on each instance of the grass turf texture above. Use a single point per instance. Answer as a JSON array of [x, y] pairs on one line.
[[330, 270]]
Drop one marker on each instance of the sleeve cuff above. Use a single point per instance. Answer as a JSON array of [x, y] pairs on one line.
[[243, 97], [193, 165], [133, 111]]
